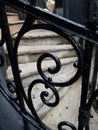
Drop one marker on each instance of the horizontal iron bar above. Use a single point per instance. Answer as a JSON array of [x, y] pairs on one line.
[[53, 19]]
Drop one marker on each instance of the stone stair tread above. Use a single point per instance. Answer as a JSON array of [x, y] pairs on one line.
[[40, 49], [38, 33], [31, 68], [12, 17], [42, 37], [16, 22], [15, 26], [11, 14]]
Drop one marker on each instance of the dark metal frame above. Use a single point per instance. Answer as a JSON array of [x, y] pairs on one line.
[[66, 29]]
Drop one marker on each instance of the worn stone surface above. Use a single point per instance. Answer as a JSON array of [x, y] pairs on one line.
[[30, 69], [12, 17], [15, 26], [42, 37], [68, 108]]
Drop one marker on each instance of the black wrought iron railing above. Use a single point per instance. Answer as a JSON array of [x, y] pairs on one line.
[[66, 29]]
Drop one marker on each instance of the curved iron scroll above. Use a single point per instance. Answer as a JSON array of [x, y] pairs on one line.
[[47, 81], [61, 33]]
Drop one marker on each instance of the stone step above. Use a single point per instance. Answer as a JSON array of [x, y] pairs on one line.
[[31, 53], [29, 70], [15, 26], [14, 23], [12, 17], [42, 37]]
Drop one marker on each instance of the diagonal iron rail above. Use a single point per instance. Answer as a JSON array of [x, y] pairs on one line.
[[63, 23]]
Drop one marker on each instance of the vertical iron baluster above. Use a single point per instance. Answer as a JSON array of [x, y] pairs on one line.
[[84, 114], [85, 81], [9, 44]]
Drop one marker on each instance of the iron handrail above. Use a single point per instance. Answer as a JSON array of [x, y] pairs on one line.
[[55, 20]]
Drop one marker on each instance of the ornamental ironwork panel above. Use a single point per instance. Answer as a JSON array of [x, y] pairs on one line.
[[14, 92]]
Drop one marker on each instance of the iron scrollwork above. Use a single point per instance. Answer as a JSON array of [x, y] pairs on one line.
[[64, 31], [61, 124], [47, 80]]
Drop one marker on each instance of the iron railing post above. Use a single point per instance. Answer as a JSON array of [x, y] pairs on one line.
[[84, 115], [9, 44]]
